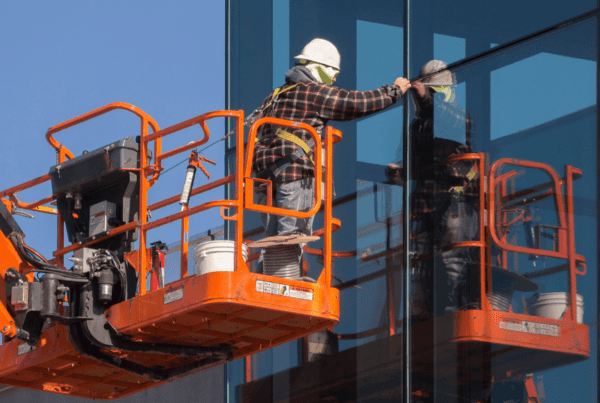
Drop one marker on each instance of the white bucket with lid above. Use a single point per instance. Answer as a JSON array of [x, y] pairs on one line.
[[216, 256], [553, 305]]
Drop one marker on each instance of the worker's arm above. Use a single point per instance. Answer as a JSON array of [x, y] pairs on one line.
[[423, 98], [333, 103]]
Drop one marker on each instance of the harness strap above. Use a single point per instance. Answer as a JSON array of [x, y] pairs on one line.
[[298, 141], [305, 146], [278, 91]]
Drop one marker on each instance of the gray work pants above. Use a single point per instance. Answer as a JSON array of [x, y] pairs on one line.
[[297, 196]]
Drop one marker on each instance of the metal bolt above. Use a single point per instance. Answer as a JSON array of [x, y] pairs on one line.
[[5, 329]]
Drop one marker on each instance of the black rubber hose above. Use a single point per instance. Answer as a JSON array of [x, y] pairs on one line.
[[34, 261]]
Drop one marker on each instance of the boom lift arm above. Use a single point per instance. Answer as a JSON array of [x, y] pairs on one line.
[[141, 336]]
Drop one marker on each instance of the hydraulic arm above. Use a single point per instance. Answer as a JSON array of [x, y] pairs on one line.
[[32, 301]]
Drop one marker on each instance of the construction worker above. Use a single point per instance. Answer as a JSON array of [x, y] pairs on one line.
[[284, 155], [445, 197]]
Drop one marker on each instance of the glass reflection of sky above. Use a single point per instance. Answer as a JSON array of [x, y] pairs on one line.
[[539, 89], [379, 137], [526, 97]]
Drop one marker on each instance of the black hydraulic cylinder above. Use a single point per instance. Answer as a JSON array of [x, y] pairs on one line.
[[50, 284], [105, 285]]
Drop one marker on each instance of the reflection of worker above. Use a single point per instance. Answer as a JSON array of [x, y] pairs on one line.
[[308, 96], [444, 201]]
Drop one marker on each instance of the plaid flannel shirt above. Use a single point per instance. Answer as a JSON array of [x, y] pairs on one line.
[[435, 181], [315, 104]]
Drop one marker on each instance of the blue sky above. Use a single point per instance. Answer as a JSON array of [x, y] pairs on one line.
[[63, 58]]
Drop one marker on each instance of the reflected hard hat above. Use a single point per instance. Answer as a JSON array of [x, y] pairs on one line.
[[321, 51], [442, 79]]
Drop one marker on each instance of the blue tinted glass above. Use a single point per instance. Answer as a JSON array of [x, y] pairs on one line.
[[379, 137], [477, 25], [281, 41], [504, 253], [540, 75], [447, 48], [510, 104]]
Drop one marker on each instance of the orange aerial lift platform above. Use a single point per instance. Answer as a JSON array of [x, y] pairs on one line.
[[511, 343], [97, 329]]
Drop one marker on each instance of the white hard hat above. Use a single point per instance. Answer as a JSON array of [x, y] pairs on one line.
[[321, 51], [444, 78]]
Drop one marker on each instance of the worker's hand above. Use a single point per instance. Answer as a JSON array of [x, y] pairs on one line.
[[419, 88], [403, 83], [395, 173]]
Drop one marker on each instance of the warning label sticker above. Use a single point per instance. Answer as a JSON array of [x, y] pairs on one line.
[[284, 290], [24, 349], [530, 327], [173, 296]]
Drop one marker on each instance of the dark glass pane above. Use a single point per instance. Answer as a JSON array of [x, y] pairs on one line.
[[497, 317], [453, 30]]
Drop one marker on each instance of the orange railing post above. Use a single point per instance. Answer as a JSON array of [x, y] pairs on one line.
[[240, 173], [572, 310], [64, 152], [249, 204], [565, 247], [556, 182], [143, 212], [325, 277], [330, 137]]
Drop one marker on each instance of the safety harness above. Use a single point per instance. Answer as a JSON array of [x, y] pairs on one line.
[[460, 190], [304, 147]]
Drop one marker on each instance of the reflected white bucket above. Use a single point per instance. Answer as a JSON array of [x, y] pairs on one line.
[[553, 305]]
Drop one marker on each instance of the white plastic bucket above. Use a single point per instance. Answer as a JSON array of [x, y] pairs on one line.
[[216, 256], [554, 305]]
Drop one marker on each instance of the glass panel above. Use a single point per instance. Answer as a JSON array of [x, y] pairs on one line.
[[379, 138], [250, 60], [534, 103], [325, 365], [234, 371], [281, 41], [552, 101], [497, 265], [478, 25]]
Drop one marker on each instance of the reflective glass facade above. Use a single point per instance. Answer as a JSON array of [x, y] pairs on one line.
[[460, 275]]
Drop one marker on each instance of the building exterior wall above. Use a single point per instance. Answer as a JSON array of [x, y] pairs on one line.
[[206, 387], [528, 81]]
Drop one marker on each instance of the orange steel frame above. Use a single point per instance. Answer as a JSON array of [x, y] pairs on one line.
[[226, 299], [518, 352], [482, 326]]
